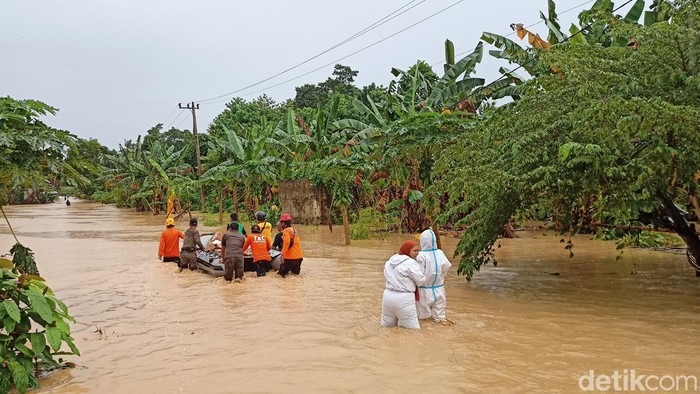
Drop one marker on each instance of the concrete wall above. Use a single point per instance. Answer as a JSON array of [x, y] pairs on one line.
[[307, 204]]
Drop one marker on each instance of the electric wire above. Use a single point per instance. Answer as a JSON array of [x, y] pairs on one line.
[[174, 119], [353, 53], [394, 14], [326, 65], [171, 114], [503, 75], [180, 123]]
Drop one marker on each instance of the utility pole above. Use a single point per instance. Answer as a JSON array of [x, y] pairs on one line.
[[193, 107]]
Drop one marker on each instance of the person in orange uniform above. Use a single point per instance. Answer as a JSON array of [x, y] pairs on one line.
[[292, 255], [169, 248], [260, 245]]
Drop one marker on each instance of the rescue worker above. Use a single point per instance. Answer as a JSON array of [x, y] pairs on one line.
[[292, 254], [169, 247], [265, 227], [188, 256], [260, 246], [403, 275], [232, 252], [241, 229], [435, 264]]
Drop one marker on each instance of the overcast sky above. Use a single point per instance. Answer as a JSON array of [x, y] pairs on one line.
[[116, 68]]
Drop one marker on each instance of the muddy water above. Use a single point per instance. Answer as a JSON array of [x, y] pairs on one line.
[[518, 328]]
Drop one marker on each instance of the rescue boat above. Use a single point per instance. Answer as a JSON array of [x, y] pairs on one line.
[[211, 262]]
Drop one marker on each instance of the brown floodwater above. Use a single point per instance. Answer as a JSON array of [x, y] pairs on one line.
[[145, 327]]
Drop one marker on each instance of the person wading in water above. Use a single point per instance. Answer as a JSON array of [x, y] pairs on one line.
[[403, 275], [169, 247], [292, 254], [232, 252], [260, 246], [188, 256]]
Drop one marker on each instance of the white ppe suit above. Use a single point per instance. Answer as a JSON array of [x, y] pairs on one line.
[[402, 275], [435, 265]]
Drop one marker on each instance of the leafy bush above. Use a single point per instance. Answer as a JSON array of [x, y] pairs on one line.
[[212, 219], [638, 239], [369, 219], [34, 327], [359, 231], [272, 212]]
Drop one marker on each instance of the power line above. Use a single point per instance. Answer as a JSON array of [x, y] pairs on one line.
[[177, 126], [356, 52], [174, 119], [367, 29], [171, 114], [369, 46]]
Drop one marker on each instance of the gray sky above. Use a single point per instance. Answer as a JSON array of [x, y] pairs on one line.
[[116, 68]]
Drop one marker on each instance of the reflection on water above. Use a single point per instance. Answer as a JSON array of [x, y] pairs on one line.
[[518, 326]]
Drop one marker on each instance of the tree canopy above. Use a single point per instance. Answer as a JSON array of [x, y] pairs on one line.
[[611, 136]]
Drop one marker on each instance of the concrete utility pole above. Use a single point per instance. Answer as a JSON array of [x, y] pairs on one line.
[[192, 107]]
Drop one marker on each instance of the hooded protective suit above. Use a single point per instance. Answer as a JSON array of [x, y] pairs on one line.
[[435, 265], [402, 274]]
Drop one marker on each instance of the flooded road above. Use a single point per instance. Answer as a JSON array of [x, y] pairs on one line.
[[517, 327]]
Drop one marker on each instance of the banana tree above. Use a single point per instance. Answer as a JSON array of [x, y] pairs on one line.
[[142, 175], [249, 157], [291, 143], [339, 171], [259, 161], [594, 29], [223, 159], [420, 130]]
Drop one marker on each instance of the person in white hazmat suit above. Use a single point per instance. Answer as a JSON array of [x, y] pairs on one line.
[[403, 274], [432, 301]]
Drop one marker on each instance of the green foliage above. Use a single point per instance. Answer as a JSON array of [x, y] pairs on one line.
[[88, 159], [319, 95], [34, 328], [246, 114], [272, 211], [212, 219], [32, 155], [414, 85], [638, 239], [448, 87], [370, 223], [375, 93], [615, 132], [144, 175], [23, 259]]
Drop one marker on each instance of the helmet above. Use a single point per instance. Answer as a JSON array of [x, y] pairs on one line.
[[285, 217], [193, 222], [260, 216], [255, 228], [169, 222]]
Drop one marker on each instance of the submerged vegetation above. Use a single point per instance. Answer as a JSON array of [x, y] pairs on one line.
[[594, 125]]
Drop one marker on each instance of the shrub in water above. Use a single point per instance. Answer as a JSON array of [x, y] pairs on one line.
[[34, 327]]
